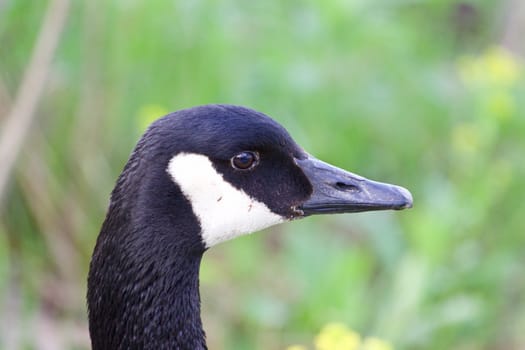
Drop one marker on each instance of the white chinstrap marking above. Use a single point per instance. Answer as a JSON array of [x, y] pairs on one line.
[[224, 212]]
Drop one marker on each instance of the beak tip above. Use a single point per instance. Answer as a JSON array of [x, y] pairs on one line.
[[407, 196]]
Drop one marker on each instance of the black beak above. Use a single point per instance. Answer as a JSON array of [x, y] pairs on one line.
[[338, 191]]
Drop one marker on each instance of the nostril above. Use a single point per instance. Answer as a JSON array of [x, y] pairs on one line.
[[346, 187]]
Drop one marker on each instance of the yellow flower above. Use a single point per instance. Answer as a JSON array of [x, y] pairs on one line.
[[149, 113], [372, 343], [497, 67], [336, 336], [502, 67]]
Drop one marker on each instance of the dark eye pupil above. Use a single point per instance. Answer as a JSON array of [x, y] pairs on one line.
[[244, 160]]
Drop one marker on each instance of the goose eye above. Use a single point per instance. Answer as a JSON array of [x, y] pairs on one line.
[[245, 160]]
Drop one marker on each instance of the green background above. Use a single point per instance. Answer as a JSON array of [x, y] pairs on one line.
[[427, 94]]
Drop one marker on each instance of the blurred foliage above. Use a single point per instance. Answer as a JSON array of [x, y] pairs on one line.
[[423, 93]]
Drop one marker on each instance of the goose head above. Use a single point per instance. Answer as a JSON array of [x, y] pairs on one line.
[[199, 177]]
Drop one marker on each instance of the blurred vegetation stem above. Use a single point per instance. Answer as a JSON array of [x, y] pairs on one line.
[[19, 120]]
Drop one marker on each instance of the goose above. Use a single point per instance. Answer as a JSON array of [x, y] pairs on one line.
[[196, 178]]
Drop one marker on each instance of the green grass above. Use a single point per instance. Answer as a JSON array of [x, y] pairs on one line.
[[418, 93]]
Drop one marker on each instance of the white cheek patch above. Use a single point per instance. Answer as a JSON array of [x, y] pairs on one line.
[[224, 212]]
